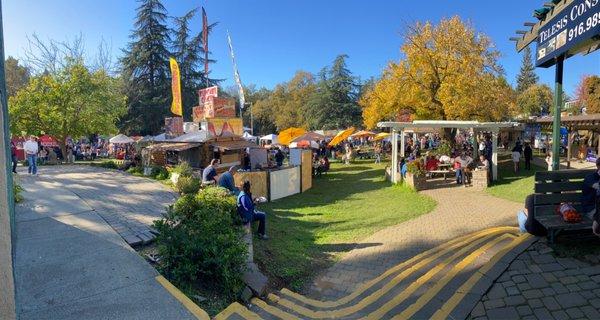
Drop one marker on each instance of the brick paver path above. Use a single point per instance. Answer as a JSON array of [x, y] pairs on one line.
[[538, 285], [129, 204], [459, 211]]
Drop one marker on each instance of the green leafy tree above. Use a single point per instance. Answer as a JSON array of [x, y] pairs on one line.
[[535, 100], [588, 94], [17, 76], [526, 76], [145, 70], [188, 50], [334, 103], [73, 102]]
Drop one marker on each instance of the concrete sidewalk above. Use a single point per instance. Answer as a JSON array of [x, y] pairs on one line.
[[70, 264]]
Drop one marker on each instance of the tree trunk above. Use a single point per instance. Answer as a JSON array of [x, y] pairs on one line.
[[63, 149]]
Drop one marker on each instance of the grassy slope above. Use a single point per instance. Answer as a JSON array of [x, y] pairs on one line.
[[511, 186], [309, 231]]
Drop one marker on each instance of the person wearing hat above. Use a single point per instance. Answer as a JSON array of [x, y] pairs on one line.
[[247, 211], [590, 196]]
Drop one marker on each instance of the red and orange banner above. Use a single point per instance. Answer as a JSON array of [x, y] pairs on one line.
[[176, 107]]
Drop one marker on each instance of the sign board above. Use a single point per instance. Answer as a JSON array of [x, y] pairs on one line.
[[173, 127], [205, 94], [214, 107], [568, 32], [221, 126]]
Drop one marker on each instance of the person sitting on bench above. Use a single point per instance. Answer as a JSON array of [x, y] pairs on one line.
[[246, 210], [527, 222], [590, 196], [209, 175]]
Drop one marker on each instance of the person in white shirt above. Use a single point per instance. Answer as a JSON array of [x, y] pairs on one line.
[[31, 151]]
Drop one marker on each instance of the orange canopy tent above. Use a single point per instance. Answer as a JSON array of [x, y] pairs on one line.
[[363, 133]]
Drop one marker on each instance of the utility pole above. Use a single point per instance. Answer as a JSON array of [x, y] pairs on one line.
[[558, 97]]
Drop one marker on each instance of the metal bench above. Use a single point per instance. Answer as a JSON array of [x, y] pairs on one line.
[[553, 188]]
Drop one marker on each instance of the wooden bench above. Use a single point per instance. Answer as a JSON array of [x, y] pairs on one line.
[[553, 188]]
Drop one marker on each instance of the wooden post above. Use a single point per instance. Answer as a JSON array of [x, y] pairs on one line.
[[495, 154], [394, 155], [402, 143], [570, 138]]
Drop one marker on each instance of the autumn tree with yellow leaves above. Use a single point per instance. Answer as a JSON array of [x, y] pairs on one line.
[[448, 72]]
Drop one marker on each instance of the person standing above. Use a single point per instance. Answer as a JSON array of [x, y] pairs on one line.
[[279, 158], [516, 157], [528, 154], [31, 151], [13, 156]]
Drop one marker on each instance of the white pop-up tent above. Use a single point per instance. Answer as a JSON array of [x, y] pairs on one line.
[[194, 136], [249, 137], [269, 139], [121, 139]]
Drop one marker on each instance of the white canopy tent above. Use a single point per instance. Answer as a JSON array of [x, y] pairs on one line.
[[248, 136], [121, 139], [160, 138], [270, 137], [402, 127]]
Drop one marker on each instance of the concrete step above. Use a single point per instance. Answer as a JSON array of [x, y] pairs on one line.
[[446, 281]]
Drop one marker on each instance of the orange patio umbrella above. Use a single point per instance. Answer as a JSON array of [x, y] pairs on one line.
[[381, 136], [363, 133], [341, 136], [286, 136]]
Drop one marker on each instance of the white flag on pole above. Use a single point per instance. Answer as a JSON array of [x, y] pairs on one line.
[[236, 74]]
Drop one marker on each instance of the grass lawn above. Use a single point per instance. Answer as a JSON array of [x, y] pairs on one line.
[[309, 231], [511, 186]]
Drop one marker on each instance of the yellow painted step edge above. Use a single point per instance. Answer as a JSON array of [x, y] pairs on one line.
[[378, 294], [272, 310], [457, 297], [187, 302], [238, 309], [371, 283], [431, 293]]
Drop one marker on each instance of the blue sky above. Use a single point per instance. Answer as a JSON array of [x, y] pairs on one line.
[[273, 39]]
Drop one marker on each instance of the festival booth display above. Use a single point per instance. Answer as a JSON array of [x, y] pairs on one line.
[[230, 150], [303, 159], [174, 153], [259, 180], [284, 182]]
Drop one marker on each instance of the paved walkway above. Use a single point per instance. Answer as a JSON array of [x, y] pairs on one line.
[[70, 264], [459, 211], [538, 285], [127, 203]]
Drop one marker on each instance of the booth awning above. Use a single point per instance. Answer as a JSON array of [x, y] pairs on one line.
[[233, 145], [173, 146]]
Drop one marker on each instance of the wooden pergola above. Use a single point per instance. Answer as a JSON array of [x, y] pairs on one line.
[[573, 124], [401, 127]]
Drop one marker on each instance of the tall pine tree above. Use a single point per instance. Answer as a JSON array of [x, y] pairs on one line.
[[188, 50], [334, 104], [526, 76], [145, 70]]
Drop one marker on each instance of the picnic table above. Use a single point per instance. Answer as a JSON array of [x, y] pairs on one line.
[[443, 169]]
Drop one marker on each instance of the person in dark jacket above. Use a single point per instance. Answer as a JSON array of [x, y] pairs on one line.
[[527, 222], [247, 211], [279, 158], [589, 197], [528, 154], [13, 155]]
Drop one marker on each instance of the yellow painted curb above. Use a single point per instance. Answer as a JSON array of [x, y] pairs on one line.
[[272, 310], [469, 284], [187, 302], [425, 298], [434, 251], [390, 285], [237, 309]]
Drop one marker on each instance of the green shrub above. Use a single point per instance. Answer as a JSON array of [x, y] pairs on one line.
[[159, 173], [136, 171], [17, 189], [108, 164], [187, 185], [200, 244], [415, 168], [184, 169]]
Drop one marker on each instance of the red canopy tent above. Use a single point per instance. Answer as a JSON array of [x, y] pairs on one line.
[[48, 141]]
